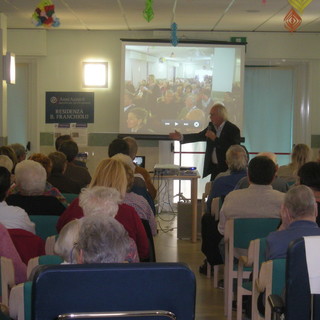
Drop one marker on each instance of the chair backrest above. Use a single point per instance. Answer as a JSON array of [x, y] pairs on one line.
[[271, 281], [42, 260], [20, 301], [299, 302], [70, 196], [27, 244], [249, 229], [49, 245], [114, 287], [45, 225], [7, 278]]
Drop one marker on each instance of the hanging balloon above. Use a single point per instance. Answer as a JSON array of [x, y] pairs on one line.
[[148, 13], [174, 38], [292, 21], [44, 15], [300, 5]]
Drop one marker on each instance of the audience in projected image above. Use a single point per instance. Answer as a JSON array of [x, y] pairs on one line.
[[165, 100]]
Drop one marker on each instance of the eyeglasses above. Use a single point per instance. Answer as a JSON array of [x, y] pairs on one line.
[[71, 252]]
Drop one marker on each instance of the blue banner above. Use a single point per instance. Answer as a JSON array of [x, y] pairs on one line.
[[69, 107]]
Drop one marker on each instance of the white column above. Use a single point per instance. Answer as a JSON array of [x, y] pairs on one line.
[[3, 84]]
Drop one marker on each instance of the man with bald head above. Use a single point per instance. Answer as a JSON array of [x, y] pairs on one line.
[[278, 183], [219, 135]]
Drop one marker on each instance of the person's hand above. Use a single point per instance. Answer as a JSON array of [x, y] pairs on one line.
[[211, 135], [176, 135]]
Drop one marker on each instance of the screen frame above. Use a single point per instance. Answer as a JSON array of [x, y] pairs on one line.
[[146, 42]]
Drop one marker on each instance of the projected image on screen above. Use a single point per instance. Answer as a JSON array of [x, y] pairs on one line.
[[168, 88]]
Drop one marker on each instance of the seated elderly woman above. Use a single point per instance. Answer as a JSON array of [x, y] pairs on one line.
[[10, 216], [31, 179], [111, 173], [64, 246], [50, 190], [8, 151], [102, 239]]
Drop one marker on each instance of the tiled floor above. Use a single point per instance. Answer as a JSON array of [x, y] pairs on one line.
[[209, 301]]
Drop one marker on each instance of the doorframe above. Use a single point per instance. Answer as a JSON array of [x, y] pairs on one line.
[[33, 134]]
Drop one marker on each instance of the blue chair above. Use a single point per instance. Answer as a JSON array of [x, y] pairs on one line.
[[238, 234], [45, 225], [42, 260], [300, 304], [120, 287]]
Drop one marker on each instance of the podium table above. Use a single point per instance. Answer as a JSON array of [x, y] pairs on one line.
[[194, 197]]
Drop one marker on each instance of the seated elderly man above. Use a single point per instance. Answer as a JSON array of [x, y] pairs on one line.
[[102, 239], [298, 214], [12, 217], [57, 177], [259, 200], [31, 180], [76, 173], [278, 183], [237, 160]]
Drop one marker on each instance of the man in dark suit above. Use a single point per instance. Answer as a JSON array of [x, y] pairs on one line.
[[220, 135]]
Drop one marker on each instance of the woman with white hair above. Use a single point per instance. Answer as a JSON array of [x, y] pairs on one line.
[[31, 177], [68, 237], [102, 239]]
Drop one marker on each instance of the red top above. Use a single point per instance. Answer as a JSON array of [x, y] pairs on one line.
[[126, 215], [27, 244]]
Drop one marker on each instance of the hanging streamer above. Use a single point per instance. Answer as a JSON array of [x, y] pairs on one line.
[[174, 38], [264, 1], [148, 13], [292, 21], [300, 5], [44, 15]]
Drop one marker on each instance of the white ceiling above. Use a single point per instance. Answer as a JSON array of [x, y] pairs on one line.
[[194, 15]]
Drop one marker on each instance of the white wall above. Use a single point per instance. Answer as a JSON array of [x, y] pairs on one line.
[[59, 64]]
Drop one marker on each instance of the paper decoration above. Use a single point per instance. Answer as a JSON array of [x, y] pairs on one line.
[[174, 38], [148, 13], [264, 1], [292, 21], [44, 15], [300, 5]]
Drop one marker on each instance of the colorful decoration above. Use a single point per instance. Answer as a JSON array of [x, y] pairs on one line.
[[174, 38], [292, 21], [44, 15], [264, 1], [300, 5], [148, 13]]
